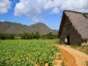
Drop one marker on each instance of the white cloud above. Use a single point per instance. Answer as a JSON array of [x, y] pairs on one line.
[[78, 5], [55, 10], [49, 4], [37, 19], [1, 20], [4, 6], [29, 7], [32, 8]]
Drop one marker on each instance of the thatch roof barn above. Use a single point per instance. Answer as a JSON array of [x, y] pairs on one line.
[[74, 27]]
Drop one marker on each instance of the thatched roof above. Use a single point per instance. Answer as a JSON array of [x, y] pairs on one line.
[[78, 20]]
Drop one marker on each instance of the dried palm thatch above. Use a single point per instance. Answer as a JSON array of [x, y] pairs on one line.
[[79, 22]]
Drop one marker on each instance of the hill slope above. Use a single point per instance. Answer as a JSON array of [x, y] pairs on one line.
[[16, 28], [40, 27]]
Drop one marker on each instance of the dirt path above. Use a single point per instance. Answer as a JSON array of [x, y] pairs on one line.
[[73, 57]]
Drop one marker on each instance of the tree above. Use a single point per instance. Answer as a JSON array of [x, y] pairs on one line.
[[25, 36], [49, 35], [11, 36], [7, 36], [37, 35]]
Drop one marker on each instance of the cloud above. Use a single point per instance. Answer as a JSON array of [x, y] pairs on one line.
[[4, 6], [29, 7], [49, 4], [33, 8], [1, 20], [35, 19], [79, 5], [55, 10]]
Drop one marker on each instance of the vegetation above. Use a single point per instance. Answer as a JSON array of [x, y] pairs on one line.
[[49, 36], [60, 56], [27, 52], [74, 46], [63, 64], [7, 36], [36, 35], [86, 63], [83, 48], [16, 28], [30, 36]]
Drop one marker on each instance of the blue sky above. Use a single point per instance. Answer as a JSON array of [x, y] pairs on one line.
[[33, 11]]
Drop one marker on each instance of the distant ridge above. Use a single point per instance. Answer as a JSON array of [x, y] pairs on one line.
[[17, 28]]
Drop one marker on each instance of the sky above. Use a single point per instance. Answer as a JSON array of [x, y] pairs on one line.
[[29, 12]]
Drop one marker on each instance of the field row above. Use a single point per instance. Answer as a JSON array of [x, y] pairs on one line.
[[27, 52]]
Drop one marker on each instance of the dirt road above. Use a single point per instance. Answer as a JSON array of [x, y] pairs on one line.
[[73, 57]]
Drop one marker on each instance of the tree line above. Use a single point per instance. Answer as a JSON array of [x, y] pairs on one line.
[[36, 35], [7, 36]]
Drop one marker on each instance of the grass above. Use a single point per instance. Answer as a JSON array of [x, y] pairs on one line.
[[83, 48], [27, 52], [74, 46], [86, 63], [62, 64]]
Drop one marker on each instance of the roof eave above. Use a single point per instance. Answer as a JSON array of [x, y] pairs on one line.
[[62, 23]]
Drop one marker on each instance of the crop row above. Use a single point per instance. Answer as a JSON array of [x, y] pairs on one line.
[[27, 52]]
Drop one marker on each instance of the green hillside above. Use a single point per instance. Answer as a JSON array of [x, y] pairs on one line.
[[16, 28]]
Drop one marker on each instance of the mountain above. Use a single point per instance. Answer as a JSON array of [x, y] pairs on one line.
[[17, 28], [55, 31], [40, 27]]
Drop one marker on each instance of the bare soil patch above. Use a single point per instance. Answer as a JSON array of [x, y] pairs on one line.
[[73, 57]]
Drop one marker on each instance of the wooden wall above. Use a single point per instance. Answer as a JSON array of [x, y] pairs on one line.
[[68, 29]]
